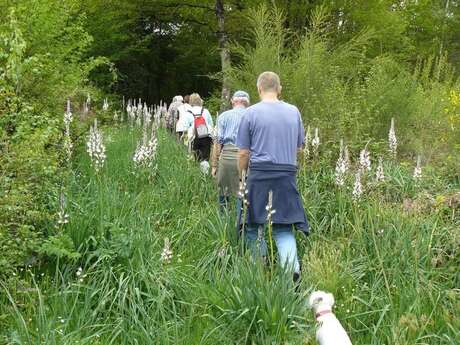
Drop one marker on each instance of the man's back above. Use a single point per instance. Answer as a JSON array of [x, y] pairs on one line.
[[272, 132], [228, 123]]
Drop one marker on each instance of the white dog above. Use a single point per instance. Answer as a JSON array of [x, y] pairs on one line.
[[330, 331]]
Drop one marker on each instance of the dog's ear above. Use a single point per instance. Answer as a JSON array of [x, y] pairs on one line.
[[317, 300]]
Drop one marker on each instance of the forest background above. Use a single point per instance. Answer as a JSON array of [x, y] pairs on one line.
[[349, 65]]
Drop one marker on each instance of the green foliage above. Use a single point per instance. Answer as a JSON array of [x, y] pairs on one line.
[[390, 259], [339, 89], [42, 62]]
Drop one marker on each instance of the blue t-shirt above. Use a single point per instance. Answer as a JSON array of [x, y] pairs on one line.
[[272, 132]]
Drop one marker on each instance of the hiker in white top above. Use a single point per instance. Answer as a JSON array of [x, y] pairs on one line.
[[182, 123], [200, 121]]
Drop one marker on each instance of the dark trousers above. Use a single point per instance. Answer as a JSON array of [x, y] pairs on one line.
[[202, 148]]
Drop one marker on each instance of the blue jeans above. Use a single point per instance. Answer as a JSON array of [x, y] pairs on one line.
[[223, 202], [285, 242]]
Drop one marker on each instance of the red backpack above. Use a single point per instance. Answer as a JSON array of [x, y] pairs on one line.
[[200, 126]]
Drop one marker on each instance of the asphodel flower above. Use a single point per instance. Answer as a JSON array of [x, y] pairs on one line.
[[364, 160], [68, 146], [269, 207], [341, 166], [316, 142], [306, 149], [146, 150], [68, 117], [243, 191], [418, 169], [357, 188], [379, 174], [167, 253], [63, 217], [392, 141], [105, 106], [95, 147]]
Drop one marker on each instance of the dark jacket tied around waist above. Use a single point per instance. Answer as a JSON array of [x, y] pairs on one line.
[[287, 203]]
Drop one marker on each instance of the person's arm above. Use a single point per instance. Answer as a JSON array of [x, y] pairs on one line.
[[208, 118], [216, 151], [217, 147], [300, 139], [243, 141], [243, 161]]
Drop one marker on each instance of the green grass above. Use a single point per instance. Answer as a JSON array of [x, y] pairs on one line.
[[394, 273]]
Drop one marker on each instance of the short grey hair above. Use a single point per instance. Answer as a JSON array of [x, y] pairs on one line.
[[269, 82]]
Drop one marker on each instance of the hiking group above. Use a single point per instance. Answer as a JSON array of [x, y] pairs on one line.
[[254, 146]]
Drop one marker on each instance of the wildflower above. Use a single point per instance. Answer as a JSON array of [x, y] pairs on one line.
[[68, 146], [315, 142], [418, 169], [341, 166], [346, 158], [145, 153], [79, 271], [95, 147], [364, 160], [87, 104], [379, 175], [392, 141], [167, 254], [357, 188], [243, 192], [132, 110], [68, 117], [63, 217], [222, 251], [105, 106], [306, 149], [269, 207]]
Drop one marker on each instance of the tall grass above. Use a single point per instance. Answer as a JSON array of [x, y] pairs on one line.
[[393, 271]]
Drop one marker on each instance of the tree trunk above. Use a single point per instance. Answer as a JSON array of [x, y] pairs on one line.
[[443, 29], [224, 54]]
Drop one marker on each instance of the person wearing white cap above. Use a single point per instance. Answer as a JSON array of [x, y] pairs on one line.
[[225, 154]]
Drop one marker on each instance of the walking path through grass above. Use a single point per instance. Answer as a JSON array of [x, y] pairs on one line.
[[394, 274]]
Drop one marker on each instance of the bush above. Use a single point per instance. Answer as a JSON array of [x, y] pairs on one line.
[[42, 63], [348, 95]]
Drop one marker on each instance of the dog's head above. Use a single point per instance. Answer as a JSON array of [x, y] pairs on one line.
[[321, 298]]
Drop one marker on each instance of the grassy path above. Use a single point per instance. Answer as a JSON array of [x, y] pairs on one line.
[[378, 261]]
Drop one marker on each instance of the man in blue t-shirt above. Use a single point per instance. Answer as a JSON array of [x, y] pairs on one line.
[[269, 137]]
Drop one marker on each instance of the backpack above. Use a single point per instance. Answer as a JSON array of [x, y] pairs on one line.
[[199, 125]]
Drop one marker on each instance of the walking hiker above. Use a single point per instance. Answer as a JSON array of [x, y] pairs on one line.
[[201, 124], [182, 122], [270, 135], [225, 153], [173, 113]]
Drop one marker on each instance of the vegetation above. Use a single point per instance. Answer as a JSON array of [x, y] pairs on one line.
[[137, 252]]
